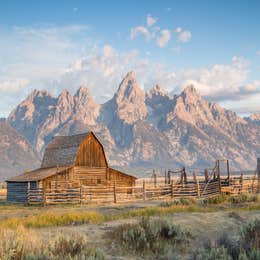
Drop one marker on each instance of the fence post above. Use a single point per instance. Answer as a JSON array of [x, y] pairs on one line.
[[241, 183], [172, 189], [185, 175], [114, 191], [228, 172], [155, 179], [197, 184], [44, 192], [218, 172], [206, 175], [258, 174], [144, 195], [80, 192]]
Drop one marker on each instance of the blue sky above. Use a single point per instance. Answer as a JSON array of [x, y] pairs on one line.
[[214, 45]]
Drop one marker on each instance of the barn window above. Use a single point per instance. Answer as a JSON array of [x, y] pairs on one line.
[[98, 181]]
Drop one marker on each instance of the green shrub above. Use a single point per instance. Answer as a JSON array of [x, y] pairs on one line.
[[230, 244], [180, 201], [68, 247], [241, 198], [216, 200], [252, 255], [250, 236], [151, 236], [244, 197], [246, 247], [214, 253]]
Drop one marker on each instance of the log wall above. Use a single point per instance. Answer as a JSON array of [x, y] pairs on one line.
[[90, 176], [17, 192]]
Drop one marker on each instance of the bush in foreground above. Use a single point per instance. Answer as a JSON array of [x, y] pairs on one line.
[[25, 244], [180, 201], [151, 236], [246, 247]]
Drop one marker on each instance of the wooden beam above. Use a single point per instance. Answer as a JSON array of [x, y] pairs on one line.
[[115, 192], [144, 193], [228, 171], [258, 173]]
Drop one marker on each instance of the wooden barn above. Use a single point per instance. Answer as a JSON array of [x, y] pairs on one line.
[[69, 162]]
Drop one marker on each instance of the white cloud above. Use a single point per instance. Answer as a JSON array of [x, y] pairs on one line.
[[219, 82], [178, 29], [141, 30], [13, 85], [258, 53], [150, 20], [151, 32], [31, 57], [164, 38], [102, 72], [184, 36], [39, 58]]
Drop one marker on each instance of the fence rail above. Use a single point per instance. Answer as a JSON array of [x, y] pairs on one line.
[[145, 190]]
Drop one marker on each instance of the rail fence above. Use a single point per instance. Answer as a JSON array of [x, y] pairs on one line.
[[145, 190]]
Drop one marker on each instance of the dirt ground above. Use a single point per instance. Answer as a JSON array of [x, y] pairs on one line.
[[202, 225]]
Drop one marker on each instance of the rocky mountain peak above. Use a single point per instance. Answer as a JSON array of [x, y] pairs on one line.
[[190, 94], [36, 94], [86, 108], [129, 89], [65, 98], [64, 106], [64, 94], [255, 117], [156, 90], [83, 95], [130, 100], [83, 91]]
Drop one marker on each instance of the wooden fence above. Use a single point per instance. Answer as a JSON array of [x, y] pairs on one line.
[[145, 190]]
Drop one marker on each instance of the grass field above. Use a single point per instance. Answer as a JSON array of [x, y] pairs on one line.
[[88, 231]]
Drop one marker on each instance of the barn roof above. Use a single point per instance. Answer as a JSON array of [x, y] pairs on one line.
[[62, 150], [37, 175]]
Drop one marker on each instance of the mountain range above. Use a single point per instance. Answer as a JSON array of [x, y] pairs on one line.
[[137, 128]]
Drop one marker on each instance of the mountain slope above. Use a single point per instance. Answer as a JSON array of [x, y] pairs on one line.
[[17, 155], [203, 131], [152, 129]]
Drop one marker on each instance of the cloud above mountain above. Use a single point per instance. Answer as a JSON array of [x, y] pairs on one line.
[[162, 36], [53, 58]]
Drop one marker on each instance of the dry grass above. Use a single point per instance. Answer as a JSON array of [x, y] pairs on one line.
[[52, 226], [75, 217], [62, 215], [28, 244], [50, 219]]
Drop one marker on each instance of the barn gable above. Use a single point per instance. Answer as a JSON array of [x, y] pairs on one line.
[[91, 153], [81, 150]]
